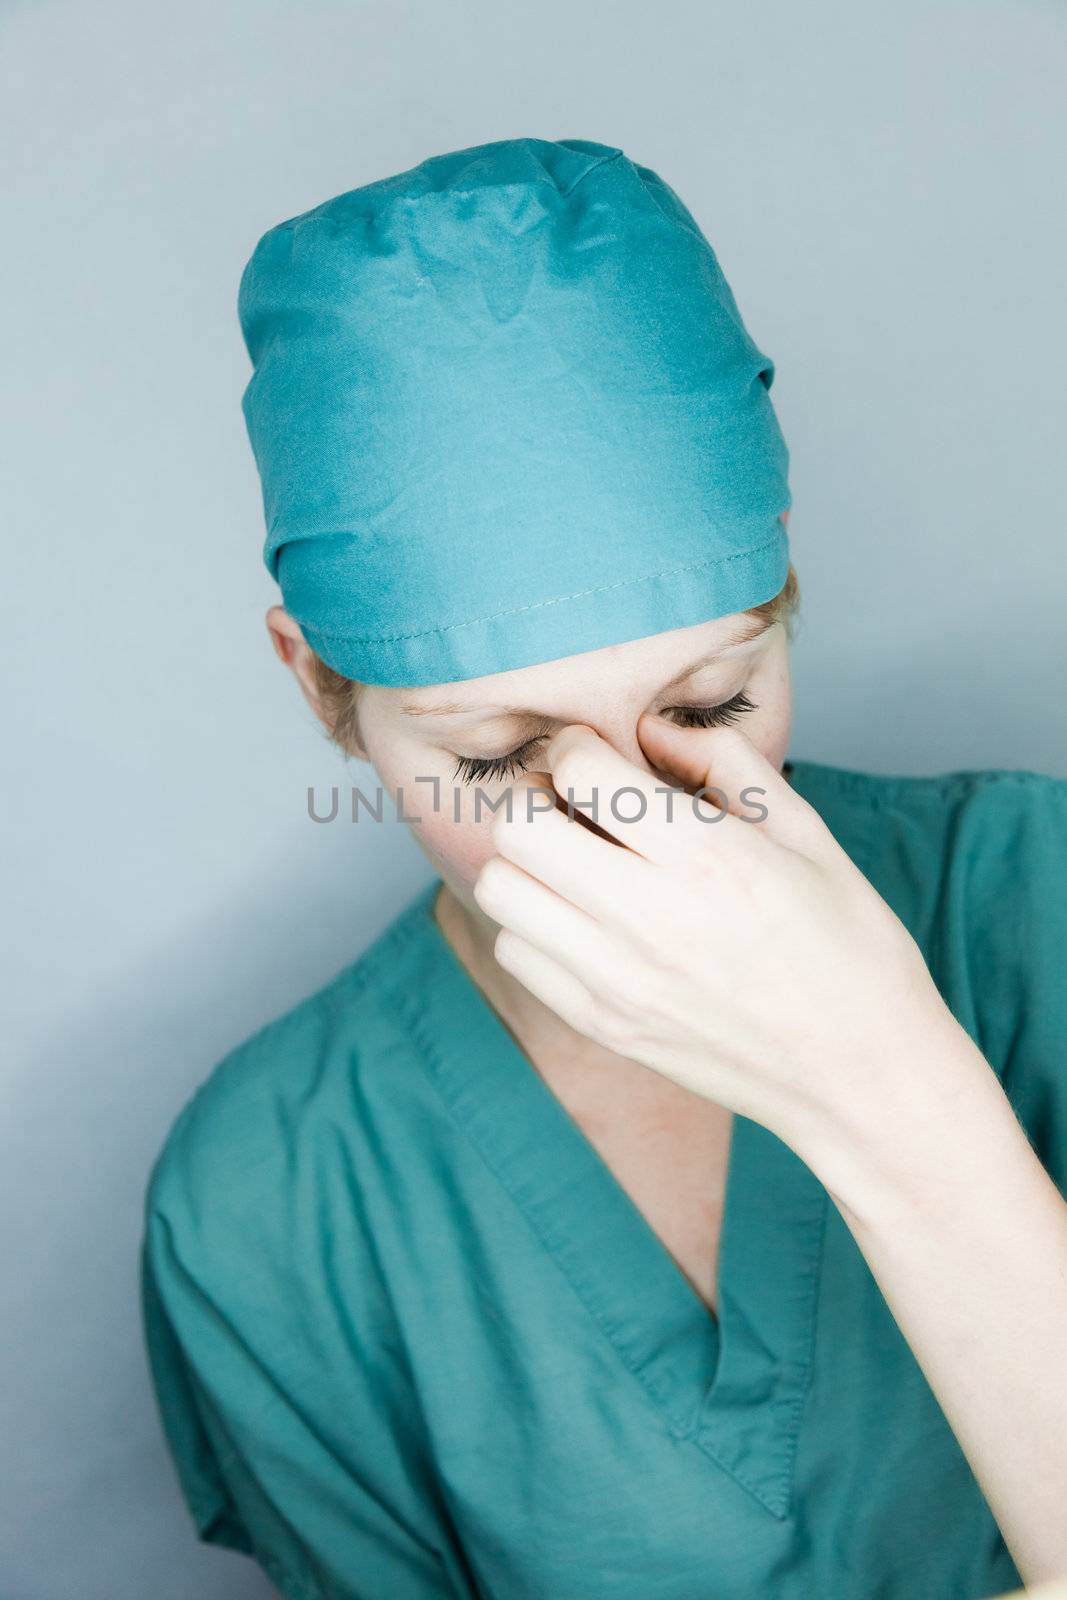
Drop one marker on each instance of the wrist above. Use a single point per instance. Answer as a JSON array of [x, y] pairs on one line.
[[928, 1126]]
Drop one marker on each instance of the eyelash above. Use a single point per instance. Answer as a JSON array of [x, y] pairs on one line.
[[470, 768], [717, 716]]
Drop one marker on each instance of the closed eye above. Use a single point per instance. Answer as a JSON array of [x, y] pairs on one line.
[[716, 716], [470, 768]]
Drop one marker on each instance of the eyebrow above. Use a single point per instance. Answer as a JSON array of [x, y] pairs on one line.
[[753, 628]]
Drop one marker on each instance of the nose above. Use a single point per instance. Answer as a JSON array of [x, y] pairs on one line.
[[621, 733]]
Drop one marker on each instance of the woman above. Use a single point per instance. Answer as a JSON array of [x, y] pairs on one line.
[[665, 1204]]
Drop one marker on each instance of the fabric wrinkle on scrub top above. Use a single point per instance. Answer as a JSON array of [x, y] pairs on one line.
[[411, 1338]]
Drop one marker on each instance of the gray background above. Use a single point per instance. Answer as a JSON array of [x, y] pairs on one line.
[[884, 185]]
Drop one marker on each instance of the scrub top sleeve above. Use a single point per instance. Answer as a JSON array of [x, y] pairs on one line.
[[1019, 953], [195, 1430], [253, 1474], [183, 1408]]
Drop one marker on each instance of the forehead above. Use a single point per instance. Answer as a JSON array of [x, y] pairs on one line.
[[665, 658]]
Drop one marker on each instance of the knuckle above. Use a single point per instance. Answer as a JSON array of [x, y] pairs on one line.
[[638, 990], [569, 767], [491, 881], [504, 947]]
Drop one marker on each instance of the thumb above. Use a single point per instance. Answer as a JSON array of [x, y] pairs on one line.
[[725, 760]]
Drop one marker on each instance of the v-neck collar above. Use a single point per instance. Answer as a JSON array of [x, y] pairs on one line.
[[733, 1388]]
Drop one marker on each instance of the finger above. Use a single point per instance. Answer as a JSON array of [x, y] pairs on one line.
[[655, 820], [544, 977], [589, 871], [552, 925], [726, 760]]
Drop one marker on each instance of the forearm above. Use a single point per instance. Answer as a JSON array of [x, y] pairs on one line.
[[966, 1236]]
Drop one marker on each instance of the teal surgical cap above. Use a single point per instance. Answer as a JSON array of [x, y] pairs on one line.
[[504, 410]]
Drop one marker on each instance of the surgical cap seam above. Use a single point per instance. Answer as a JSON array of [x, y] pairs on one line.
[[472, 622], [596, 166]]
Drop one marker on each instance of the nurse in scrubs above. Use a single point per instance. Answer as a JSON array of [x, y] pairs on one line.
[[669, 1203]]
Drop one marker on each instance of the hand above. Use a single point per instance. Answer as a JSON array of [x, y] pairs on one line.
[[748, 960]]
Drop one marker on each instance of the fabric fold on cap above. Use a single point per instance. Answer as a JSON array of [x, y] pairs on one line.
[[504, 410]]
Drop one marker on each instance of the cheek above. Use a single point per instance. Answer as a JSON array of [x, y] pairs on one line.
[[451, 825], [769, 728], [458, 850], [771, 737], [457, 840]]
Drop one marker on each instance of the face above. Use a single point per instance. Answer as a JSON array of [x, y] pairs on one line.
[[482, 733]]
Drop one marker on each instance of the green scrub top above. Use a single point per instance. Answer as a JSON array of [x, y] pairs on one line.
[[411, 1339]]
